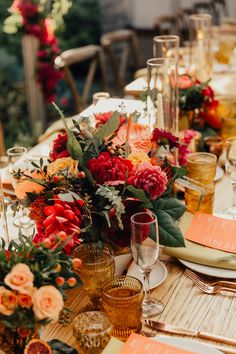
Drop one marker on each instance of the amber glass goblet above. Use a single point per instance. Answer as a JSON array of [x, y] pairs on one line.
[[122, 299], [98, 265]]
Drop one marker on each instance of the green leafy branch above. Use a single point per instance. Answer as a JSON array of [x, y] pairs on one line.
[[115, 199]]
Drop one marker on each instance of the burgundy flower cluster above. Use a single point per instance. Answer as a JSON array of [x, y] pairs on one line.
[[34, 24]]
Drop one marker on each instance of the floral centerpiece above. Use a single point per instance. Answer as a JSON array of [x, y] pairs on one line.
[[97, 177], [197, 102], [32, 284]]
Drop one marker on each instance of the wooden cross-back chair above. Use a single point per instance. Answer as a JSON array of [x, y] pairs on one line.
[[89, 53], [204, 7], [166, 24], [128, 41]]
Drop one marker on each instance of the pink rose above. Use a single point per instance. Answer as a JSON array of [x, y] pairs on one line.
[[20, 278], [47, 303], [8, 301]]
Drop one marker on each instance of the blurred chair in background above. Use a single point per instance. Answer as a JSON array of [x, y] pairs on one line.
[[166, 25], [92, 54], [120, 46]]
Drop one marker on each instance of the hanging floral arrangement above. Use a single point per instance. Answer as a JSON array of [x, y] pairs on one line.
[[40, 18]]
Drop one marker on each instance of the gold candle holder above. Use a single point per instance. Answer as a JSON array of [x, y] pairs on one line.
[[92, 331]]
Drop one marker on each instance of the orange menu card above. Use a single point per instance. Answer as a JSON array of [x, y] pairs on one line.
[[137, 344], [213, 232]]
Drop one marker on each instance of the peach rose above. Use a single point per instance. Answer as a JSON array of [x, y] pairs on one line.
[[8, 301], [63, 164], [20, 278], [47, 303], [25, 301], [138, 157]]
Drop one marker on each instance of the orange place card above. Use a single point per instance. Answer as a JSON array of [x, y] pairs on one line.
[[137, 344], [213, 232]]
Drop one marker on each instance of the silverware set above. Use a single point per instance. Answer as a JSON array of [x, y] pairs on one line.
[[210, 288]]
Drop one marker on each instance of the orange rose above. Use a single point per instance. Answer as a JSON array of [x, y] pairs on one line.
[[8, 301], [20, 278], [25, 301], [47, 303]]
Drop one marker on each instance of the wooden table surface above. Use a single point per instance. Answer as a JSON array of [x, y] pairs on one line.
[[185, 304]]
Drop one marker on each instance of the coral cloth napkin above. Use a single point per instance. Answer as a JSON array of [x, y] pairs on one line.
[[197, 253]]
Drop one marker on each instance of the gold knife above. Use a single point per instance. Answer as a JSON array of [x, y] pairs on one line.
[[188, 332]]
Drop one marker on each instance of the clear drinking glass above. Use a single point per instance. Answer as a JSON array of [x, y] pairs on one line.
[[145, 250], [92, 331], [166, 46], [18, 162], [230, 167], [162, 102]]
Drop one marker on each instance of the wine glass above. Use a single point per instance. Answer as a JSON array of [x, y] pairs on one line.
[[230, 167], [145, 250]]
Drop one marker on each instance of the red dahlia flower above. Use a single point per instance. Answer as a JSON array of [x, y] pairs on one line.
[[108, 168], [59, 149], [62, 216], [149, 178]]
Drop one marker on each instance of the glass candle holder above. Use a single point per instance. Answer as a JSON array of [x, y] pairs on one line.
[[92, 331], [98, 265], [162, 100], [201, 169], [166, 46], [122, 299], [200, 45]]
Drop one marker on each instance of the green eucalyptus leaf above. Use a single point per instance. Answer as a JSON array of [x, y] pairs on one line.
[[74, 148], [109, 127], [169, 233], [139, 194]]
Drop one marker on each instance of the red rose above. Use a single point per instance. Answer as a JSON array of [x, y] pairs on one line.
[[149, 178], [102, 118], [107, 168], [59, 149]]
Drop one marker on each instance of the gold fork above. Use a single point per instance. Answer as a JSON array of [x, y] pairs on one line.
[[213, 288], [229, 284]]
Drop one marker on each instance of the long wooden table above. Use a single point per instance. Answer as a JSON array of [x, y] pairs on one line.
[[185, 304]]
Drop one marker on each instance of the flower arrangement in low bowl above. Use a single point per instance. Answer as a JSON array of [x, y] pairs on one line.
[[32, 283], [97, 177]]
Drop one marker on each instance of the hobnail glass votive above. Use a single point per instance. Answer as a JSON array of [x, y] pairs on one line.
[[92, 331]]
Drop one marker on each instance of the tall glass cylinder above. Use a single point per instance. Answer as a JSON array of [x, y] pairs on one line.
[[166, 46], [162, 100], [201, 58]]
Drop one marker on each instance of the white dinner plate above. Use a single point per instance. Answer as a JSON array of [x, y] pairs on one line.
[[157, 276], [212, 271], [188, 344], [219, 173]]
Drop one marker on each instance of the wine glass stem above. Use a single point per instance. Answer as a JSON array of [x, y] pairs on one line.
[[234, 195], [146, 277]]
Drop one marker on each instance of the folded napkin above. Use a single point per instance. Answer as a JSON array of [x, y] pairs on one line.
[[196, 253]]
